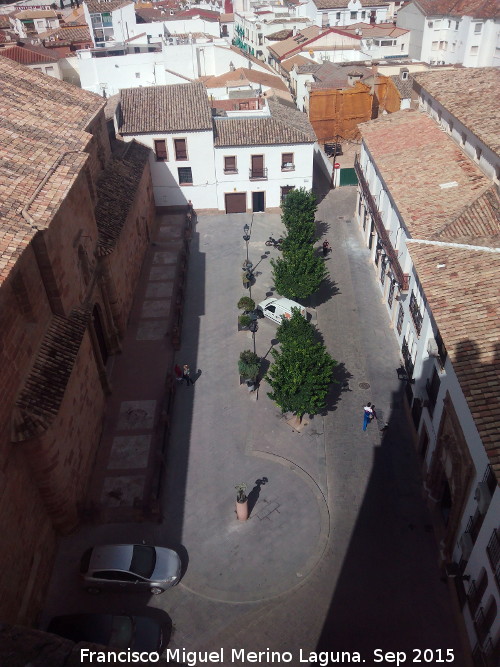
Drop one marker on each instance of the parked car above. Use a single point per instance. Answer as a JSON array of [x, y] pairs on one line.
[[137, 567], [276, 309], [138, 633]]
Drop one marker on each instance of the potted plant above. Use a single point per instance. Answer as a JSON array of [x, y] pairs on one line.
[[246, 304], [244, 321], [248, 367], [241, 502]]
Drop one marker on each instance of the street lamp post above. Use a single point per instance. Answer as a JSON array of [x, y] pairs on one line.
[[246, 237]]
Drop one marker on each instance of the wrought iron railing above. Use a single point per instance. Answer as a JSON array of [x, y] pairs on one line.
[[493, 551], [408, 361], [258, 174], [402, 278], [415, 313]]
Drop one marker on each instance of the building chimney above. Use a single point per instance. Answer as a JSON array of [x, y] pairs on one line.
[[374, 75]]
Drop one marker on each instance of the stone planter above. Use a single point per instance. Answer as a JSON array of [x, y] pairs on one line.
[[242, 510]]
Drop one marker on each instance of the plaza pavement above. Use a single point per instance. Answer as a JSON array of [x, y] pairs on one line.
[[338, 548]]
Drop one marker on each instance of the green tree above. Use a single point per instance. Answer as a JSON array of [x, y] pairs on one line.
[[299, 235], [298, 208], [302, 370], [299, 273]]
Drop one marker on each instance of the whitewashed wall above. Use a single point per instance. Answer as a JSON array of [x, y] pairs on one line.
[[301, 177], [166, 188]]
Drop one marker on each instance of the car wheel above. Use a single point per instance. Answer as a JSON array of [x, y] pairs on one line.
[[93, 590], [155, 590]]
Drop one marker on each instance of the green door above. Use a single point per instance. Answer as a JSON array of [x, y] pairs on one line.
[[348, 177]]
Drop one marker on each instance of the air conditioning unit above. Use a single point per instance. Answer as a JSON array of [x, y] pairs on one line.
[[432, 348], [483, 497], [466, 545]]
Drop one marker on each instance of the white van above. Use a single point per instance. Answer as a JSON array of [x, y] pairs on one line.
[[276, 309]]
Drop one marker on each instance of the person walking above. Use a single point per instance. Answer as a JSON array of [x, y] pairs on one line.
[[186, 375], [367, 415], [326, 248]]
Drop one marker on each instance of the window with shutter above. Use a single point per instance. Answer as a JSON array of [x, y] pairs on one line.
[[230, 165], [180, 149], [161, 150], [287, 162]]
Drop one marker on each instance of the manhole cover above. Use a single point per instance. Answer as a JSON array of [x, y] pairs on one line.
[[364, 385]]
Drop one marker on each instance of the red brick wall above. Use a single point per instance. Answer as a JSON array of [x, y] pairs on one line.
[[73, 226], [62, 458], [27, 531], [131, 246], [24, 318], [28, 542]]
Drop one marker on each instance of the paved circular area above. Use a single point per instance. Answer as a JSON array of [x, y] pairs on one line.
[[270, 553]]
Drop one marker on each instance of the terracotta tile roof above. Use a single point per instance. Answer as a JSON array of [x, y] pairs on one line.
[[369, 30], [435, 194], [279, 35], [5, 24], [472, 95], [298, 60], [26, 56], [205, 14], [41, 119], [405, 88], [36, 14], [289, 19], [151, 15], [280, 94], [176, 108], [108, 6], [41, 50], [308, 68], [226, 18], [339, 4], [485, 9], [116, 191], [478, 224], [40, 399], [464, 299], [296, 43], [242, 75], [285, 126], [66, 35]]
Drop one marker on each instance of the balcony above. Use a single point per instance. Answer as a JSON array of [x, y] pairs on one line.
[[288, 166], [408, 361], [493, 551], [231, 170], [402, 278], [415, 313], [258, 174]]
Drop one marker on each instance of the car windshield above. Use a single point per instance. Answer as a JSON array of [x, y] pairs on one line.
[[122, 632], [143, 561]]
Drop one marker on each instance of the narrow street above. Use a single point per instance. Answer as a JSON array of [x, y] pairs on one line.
[[338, 548]]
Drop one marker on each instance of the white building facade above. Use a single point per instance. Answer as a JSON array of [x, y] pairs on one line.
[[433, 241], [244, 161], [331, 13], [471, 39]]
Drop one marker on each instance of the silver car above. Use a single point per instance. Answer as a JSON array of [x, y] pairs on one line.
[[137, 567]]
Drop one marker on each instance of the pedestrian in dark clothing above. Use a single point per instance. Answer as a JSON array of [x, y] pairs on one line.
[[185, 375], [326, 248], [178, 372]]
